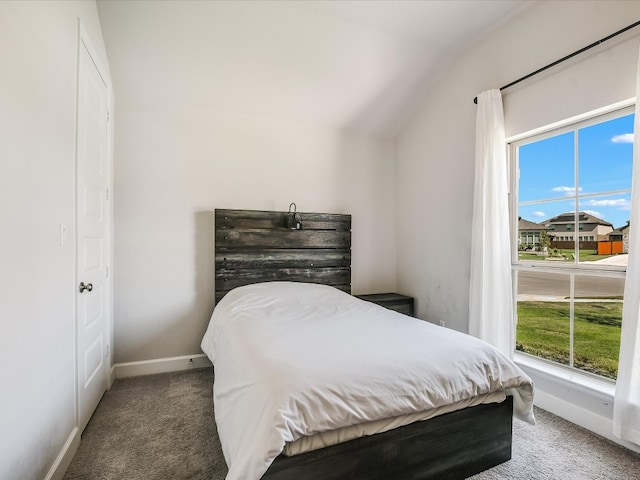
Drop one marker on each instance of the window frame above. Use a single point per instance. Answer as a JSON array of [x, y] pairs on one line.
[[569, 125], [575, 268]]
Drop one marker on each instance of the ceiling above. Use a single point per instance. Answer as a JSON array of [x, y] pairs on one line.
[[355, 64]]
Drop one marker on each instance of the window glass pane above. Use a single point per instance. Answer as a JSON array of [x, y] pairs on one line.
[[572, 198], [546, 168], [543, 315], [604, 220], [597, 324], [602, 242], [546, 231], [605, 153]]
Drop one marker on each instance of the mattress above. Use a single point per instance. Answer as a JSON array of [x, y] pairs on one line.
[[333, 437], [296, 360]]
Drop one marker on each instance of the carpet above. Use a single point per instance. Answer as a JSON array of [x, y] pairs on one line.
[[160, 427]]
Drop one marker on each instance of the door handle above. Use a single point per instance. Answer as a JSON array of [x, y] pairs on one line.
[[84, 287]]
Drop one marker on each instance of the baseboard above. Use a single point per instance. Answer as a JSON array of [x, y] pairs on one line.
[[598, 424], [111, 377], [64, 458], [581, 399], [122, 370], [161, 365]]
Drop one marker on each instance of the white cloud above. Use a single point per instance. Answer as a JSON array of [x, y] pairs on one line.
[[593, 212], [624, 138], [608, 202], [539, 214], [568, 191]]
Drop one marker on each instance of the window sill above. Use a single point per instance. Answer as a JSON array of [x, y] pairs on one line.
[[588, 383]]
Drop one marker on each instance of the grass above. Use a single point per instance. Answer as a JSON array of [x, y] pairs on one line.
[[585, 255], [543, 331]]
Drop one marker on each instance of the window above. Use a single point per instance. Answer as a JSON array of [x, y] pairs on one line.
[[569, 299]]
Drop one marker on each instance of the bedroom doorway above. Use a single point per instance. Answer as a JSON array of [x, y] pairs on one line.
[[93, 226]]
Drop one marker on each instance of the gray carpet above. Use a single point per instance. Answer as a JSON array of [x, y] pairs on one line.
[[162, 427]]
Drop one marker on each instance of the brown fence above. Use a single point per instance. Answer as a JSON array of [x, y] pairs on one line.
[[570, 245], [609, 248]]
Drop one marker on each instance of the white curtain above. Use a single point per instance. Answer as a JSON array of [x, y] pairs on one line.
[[490, 293], [626, 407]]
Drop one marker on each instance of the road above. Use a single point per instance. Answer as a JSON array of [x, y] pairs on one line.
[[556, 286]]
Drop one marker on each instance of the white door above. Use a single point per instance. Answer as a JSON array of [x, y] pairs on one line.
[[93, 224]]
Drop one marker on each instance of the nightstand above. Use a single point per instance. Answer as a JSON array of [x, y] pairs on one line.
[[392, 301]]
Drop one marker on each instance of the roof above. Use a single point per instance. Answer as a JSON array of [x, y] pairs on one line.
[[527, 225], [583, 217]]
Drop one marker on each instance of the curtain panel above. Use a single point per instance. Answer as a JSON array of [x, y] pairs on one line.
[[626, 407], [490, 293]]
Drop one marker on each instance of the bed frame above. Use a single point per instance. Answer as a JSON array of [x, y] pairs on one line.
[[258, 246], [255, 246]]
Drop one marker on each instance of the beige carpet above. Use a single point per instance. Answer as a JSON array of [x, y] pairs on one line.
[[162, 427]]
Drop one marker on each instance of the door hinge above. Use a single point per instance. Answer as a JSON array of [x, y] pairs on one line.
[[107, 272], [107, 194], [108, 116], [106, 355]]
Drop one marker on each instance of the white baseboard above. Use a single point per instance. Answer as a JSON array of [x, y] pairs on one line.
[[111, 377], [161, 365], [598, 424], [122, 370], [64, 458]]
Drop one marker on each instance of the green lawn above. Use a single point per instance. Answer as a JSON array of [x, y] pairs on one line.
[[585, 255], [543, 330]]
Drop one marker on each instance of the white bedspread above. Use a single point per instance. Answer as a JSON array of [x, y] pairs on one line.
[[295, 359]]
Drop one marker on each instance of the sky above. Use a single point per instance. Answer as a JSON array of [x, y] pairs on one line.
[[547, 185]]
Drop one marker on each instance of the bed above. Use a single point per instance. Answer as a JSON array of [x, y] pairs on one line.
[[312, 383]]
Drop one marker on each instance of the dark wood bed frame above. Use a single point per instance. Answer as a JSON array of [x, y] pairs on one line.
[[257, 246]]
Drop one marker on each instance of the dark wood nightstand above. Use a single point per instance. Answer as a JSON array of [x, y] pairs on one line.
[[392, 301]]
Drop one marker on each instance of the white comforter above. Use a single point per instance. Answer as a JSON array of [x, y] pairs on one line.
[[295, 359]]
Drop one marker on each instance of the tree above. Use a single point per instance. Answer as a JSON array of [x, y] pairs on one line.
[[545, 241]]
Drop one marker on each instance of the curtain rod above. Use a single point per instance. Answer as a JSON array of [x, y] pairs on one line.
[[577, 52]]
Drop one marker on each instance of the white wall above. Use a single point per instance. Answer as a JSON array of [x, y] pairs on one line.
[[435, 152], [174, 166], [38, 52]]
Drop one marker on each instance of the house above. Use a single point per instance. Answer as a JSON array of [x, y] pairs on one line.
[[622, 235], [625, 237], [615, 236], [562, 228], [529, 234], [204, 114]]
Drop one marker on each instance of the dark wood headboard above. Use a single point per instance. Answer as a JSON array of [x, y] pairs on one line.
[[254, 246]]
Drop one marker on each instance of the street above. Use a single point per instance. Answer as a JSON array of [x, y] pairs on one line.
[[556, 286]]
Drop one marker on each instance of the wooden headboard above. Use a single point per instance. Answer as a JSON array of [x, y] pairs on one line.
[[254, 246]]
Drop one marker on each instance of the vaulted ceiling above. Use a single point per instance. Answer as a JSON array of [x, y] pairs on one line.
[[354, 64]]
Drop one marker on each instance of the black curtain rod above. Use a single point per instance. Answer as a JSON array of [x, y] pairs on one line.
[[577, 52]]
